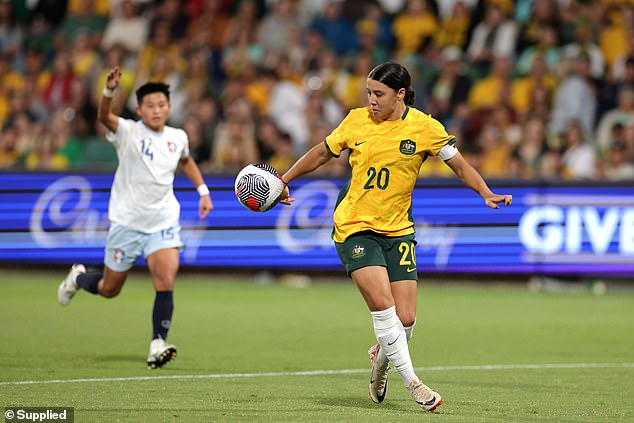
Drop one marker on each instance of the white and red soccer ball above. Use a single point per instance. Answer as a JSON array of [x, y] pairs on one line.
[[258, 187]]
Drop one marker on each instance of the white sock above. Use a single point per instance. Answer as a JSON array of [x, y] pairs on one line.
[[409, 330], [391, 335], [382, 359]]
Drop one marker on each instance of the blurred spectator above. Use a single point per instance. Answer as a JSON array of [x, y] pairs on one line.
[[493, 37], [47, 153], [84, 18], [10, 83], [207, 111], [49, 12], [56, 92], [613, 39], [322, 107], [244, 18], [101, 7], [523, 87], [287, 102], [619, 71], [11, 34], [618, 165], [170, 11], [454, 27], [336, 30], [540, 105], [199, 146], [546, 47], [84, 57], [354, 90], [531, 149], [623, 114], [244, 52], [574, 99], [584, 46], [313, 47], [234, 146], [328, 75], [496, 152], [492, 90], [447, 8], [550, 166], [542, 14], [208, 28], [579, 158], [384, 36], [275, 26], [130, 29], [9, 154], [414, 28], [367, 32], [162, 44], [392, 7], [450, 86], [283, 156], [267, 137]]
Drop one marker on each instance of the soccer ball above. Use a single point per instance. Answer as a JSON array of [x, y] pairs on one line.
[[258, 187]]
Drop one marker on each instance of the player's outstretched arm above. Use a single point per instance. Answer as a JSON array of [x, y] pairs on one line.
[[190, 168], [473, 180], [314, 158], [104, 114]]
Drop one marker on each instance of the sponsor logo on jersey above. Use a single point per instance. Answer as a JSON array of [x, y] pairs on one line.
[[408, 147], [171, 146]]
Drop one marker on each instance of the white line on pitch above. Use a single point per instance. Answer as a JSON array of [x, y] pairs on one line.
[[327, 372]]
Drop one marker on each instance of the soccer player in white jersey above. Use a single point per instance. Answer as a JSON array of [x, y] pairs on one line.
[[143, 211]]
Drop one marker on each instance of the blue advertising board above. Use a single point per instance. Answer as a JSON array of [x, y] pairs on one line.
[[572, 230]]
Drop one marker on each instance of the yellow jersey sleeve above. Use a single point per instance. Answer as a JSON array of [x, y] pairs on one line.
[[340, 138], [437, 136]]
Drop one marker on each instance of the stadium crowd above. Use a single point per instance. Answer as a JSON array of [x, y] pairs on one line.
[[532, 89]]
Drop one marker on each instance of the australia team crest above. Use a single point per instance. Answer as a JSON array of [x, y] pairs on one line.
[[407, 147], [358, 251]]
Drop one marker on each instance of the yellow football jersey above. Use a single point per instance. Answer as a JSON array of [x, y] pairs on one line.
[[385, 157]]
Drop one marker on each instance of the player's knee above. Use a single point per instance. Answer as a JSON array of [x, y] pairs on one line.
[[406, 317], [382, 302], [109, 292]]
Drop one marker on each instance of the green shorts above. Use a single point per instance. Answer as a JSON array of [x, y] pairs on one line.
[[396, 254]]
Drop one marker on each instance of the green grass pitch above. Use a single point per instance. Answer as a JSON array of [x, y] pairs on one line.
[[251, 352]]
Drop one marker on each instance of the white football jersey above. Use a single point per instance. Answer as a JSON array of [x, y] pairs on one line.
[[142, 196]]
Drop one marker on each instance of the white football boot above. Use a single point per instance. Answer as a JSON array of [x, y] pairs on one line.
[[160, 353], [68, 287], [424, 396], [378, 377]]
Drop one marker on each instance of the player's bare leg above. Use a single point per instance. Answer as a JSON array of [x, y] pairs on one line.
[[374, 285]]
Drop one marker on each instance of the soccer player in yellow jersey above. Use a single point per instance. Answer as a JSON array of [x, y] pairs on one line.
[[374, 230]]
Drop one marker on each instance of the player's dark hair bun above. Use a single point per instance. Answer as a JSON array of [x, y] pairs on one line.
[[395, 76]]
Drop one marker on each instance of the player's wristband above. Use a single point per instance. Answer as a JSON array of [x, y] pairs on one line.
[[107, 92], [283, 181], [202, 189]]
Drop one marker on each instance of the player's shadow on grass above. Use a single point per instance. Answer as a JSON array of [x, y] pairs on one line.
[[361, 403], [118, 358]]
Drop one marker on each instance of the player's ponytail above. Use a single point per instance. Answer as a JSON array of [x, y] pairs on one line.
[[395, 76], [410, 96]]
